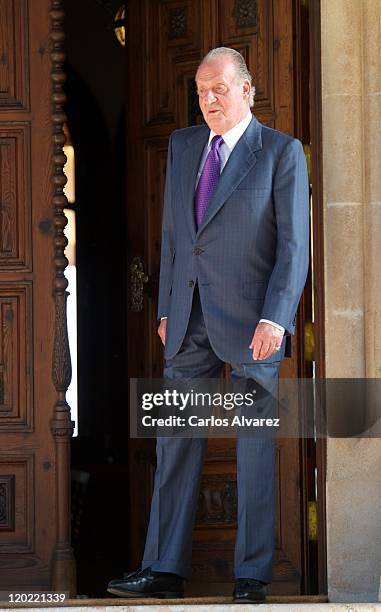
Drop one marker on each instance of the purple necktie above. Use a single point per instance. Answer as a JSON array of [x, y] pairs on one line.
[[208, 179]]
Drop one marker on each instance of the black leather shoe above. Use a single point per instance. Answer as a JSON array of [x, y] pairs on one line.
[[248, 590], [147, 583]]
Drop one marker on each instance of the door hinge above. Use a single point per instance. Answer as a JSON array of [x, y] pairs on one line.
[[312, 521], [309, 341]]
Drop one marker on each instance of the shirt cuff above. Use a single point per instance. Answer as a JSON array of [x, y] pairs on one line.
[[163, 318], [273, 324]]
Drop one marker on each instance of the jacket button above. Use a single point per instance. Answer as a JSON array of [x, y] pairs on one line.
[[198, 251], [191, 283]]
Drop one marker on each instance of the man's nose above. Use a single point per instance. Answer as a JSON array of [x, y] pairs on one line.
[[210, 97]]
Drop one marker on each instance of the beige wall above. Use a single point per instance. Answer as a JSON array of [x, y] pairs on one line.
[[351, 98]]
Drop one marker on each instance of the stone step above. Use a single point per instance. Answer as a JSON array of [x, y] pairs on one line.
[[203, 604]]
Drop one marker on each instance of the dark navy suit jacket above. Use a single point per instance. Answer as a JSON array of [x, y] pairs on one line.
[[250, 255]]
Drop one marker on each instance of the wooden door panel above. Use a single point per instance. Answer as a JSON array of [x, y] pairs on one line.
[[14, 83], [15, 221], [168, 40], [287, 563], [156, 157], [18, 530], [16, 347], [174, 37], [35, 552], [21, 559], [248, 28]]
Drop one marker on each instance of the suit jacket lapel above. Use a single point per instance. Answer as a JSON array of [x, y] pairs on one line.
[[241, 160], [190, 163]]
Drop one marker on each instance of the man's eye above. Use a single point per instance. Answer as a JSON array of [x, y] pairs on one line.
[[220, 89]]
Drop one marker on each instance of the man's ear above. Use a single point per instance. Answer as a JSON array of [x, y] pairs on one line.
[[246, 88]]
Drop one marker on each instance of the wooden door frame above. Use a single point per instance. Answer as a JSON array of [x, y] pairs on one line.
[[63, 571], [313, 121], [318, 266]]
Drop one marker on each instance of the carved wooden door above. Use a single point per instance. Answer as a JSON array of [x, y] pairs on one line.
[[35, 427], [166, 41]]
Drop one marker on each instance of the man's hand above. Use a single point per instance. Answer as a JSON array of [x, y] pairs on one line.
[[267, 340], [162, 330]]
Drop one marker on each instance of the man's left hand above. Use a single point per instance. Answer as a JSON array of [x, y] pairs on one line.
[[266, 341]]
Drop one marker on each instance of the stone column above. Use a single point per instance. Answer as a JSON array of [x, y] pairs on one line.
[[351, 99]]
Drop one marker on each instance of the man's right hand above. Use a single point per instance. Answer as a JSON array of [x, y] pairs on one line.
[[162, 330]]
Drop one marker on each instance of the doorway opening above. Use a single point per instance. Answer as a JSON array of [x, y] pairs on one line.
[[150, 82], [95, 87]]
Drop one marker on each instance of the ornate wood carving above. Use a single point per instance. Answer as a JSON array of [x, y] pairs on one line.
[[218, 500], [178, 22], [17, 491], [63, 577], [15, 200], [14, 86], [7, 502], [245, 13], [137, 278], [61, 365], [174, 39], [16, 347]]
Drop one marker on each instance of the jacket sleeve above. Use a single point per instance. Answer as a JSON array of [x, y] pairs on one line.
[[167, 242], [291, 205]]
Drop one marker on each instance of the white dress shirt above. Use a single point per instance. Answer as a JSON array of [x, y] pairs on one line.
[[230, 139]]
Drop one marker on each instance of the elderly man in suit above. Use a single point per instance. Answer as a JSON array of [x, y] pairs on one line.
[[234, 260]]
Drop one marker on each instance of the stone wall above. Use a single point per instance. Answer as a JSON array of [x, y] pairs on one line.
[[351, 101]]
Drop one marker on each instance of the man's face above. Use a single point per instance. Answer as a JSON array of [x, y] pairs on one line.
[[223, 95]]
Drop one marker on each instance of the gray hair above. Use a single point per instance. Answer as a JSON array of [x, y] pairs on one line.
[[239, 63]]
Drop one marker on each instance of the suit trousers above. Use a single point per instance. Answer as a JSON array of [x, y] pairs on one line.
[[180, 461]]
